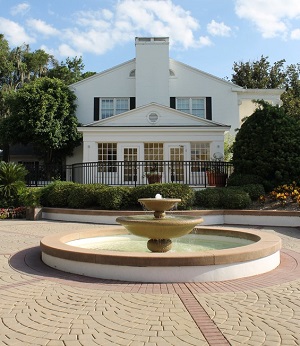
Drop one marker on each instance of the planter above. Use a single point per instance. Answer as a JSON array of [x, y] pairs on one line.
[[154, 178], [216, 179], [33, 213]]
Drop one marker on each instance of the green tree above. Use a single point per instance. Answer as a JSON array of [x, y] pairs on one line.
[[70, 71], [43, 113], [267, 145], [259, 74]]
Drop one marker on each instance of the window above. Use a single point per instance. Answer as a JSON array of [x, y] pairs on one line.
[[153, 152], [113, 106], [200, 151], [107, 157], [191, 105]]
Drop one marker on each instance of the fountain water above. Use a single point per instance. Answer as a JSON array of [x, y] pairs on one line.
[[257, 252]]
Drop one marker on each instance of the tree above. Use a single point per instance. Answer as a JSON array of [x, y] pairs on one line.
[[267, 145], [259, 74], [70, 71], [43, 113]]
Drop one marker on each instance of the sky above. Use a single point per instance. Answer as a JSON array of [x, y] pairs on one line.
[[209, 35]]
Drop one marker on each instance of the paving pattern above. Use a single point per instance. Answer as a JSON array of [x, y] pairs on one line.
[[42, 306]]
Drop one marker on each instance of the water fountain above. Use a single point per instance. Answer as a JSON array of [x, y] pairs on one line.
[[159, 229], [255, 252]]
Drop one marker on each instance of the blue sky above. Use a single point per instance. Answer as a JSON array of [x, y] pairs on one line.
[[206, 34]]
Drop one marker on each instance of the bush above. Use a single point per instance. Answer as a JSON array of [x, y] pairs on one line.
[[237, 179], [12, 182], [170, 190], [84, 196], [208, 198], [30, 197], [222, 198], [114, 198], [234, 199], [254, 190], [56, 194]]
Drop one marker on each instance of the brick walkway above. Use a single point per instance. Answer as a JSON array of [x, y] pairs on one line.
[[42, 306]]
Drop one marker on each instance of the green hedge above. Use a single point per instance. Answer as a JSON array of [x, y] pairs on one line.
[[185, 192], [85, 196], [254, 190], [222, 198], [56, 194]]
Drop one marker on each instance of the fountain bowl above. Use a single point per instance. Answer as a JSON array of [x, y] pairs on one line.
[[165, 228]]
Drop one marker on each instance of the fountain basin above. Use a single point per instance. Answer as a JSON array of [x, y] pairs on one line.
[[166, 228], [259, 257]]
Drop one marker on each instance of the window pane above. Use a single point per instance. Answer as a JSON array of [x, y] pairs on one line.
[[198, 107], [107, 154], [107, 108], [122, 105], [183, 104]]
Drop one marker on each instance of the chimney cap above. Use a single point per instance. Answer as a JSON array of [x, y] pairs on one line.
[[152, 40]]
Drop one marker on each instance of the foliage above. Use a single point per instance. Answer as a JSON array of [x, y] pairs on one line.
[[43, 113], [228, 146], [259, 74], [237, 179], [30, 196], [222, 198], [169, 190], [84, 196], [12, 181], [254, 190], [267, 145], [114, 198], [56, 194], [284, 194]]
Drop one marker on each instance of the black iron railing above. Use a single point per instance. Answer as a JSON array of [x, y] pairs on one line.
[[131, 173]]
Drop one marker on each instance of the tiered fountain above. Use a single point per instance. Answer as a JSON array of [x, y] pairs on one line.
[[232, 253], [159, 229]]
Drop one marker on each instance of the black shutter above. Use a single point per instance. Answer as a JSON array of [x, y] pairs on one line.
[[173, 102], [132, 102], [208, 109], [96, 108]]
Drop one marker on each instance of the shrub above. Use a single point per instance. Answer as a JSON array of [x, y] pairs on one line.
[[114, 198], [84, 196], [208, 198], [234, 199], [254, 190], [170, 190], [12, 181], [237, 179], [30, 197], [224, 198], [56, 194]]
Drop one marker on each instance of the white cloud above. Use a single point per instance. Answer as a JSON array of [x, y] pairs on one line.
[[14, 32], [295, 34], [218, 29], [42, 27], [66, 51], [21, 8], [101, 30], [271, 17]]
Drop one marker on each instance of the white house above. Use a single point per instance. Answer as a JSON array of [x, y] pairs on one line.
[[153, 108]]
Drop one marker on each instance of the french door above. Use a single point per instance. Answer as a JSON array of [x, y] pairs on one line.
[[176, 167]]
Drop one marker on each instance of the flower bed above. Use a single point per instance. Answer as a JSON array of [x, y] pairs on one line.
[[12, 213]]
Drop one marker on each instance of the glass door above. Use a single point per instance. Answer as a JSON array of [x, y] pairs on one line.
[[176, 167], [130, 156]]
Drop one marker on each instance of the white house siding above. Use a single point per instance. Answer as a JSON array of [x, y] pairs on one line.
[[111, 83]]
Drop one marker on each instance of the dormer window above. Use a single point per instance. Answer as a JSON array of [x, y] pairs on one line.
[[191, 105], [113, 106]]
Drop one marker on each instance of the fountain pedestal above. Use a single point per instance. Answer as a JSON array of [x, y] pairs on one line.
[[160, 228]]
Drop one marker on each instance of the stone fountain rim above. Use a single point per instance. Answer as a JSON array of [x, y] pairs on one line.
[[265, 244]]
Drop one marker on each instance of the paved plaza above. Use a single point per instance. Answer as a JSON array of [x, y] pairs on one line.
[[42, 306]]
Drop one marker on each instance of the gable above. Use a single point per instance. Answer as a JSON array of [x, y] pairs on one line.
[[154, 115]]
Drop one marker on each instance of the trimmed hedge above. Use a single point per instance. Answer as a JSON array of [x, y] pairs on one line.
[[254, 190], [222, 198], [169, 190], [56, 194], [114, 198], [85, 196]]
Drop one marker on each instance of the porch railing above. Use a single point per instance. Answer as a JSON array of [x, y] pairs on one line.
[[129, 173]]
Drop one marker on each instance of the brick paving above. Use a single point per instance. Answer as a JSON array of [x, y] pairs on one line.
[[42, 306]]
